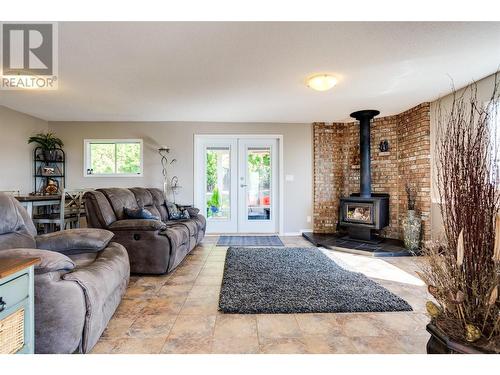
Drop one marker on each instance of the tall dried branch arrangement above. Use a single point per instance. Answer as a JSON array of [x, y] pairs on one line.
[[463, 269]]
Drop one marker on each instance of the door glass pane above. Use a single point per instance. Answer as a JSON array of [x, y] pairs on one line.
[[218, 183], [259, 183]]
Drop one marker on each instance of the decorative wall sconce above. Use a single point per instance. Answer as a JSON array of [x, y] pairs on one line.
[[384, 146]]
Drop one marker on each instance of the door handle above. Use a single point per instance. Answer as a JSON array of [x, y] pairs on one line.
[[243, 185]]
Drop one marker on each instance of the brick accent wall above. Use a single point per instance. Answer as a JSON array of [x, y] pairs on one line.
[[336, 167]]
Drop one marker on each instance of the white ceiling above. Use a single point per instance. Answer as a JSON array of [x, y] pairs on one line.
[[255, 72]]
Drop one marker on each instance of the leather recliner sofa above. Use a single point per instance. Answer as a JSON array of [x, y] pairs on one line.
[[79, 281], [154, 246]]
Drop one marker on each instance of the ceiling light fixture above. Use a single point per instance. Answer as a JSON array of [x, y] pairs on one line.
[[321, 82]]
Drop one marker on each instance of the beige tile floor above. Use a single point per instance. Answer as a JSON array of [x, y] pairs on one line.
[[177, 313]]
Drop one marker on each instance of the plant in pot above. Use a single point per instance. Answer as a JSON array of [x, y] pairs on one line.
[[215, 201], [462, 269], [48, 142], [412, 224]]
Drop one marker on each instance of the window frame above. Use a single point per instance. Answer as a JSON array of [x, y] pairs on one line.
[[87, 160]]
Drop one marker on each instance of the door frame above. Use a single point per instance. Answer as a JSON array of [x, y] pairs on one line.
[[197, 177]]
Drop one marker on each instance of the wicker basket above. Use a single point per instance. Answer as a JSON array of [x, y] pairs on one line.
[[12, 333]]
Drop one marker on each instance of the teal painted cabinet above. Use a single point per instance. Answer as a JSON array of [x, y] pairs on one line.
[[17, 326]]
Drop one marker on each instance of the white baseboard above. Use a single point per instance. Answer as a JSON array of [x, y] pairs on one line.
[[299, 233]]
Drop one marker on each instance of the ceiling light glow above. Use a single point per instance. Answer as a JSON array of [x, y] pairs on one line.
[[321, 82]]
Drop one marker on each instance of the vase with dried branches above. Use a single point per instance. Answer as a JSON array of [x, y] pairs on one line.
[[462, 271], [412, 224]]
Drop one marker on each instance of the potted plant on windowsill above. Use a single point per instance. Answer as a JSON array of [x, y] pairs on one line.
[[48, 142], [462, 271]]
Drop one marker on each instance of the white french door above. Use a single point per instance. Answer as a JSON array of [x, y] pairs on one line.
[[257, 181], [236, 183]]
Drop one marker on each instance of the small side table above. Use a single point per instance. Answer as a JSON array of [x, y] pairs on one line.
[[17, 329]]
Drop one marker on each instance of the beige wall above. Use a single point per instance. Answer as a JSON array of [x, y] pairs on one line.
[[16, 158], [297, 149], [484, 90]]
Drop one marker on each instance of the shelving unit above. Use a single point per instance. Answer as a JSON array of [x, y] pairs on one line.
[[55, 159]]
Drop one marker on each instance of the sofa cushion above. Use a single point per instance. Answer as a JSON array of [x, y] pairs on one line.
[[190, 225], [28, 223], [145, 200], [140, 213], [100, 214], [200, 221], [119, 198], [11, 219], [159, 202], [142, 196], [83, 259], [75, 241], [177, 234], [137, 225], [14, 233]]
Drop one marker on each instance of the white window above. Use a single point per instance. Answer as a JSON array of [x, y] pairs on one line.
[[113, 158]]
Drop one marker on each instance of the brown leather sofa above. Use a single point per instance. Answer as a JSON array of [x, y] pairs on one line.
[[154, 246]]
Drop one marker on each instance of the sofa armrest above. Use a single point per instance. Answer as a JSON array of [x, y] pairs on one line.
[[50, 261], [138, 225], [103, 283], [75, 241]]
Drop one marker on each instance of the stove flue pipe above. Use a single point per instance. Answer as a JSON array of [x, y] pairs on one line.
[[364, 117]]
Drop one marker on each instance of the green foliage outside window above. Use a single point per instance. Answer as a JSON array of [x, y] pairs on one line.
[[128, 158], [211, 170], [261, 163], [115, 158]]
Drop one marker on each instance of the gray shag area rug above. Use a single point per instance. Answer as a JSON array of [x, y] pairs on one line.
[[298, 280], [249, 241]]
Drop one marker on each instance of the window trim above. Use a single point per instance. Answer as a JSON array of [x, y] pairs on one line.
[[87, 156]]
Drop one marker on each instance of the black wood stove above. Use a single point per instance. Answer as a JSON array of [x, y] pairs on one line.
[[364, 213]]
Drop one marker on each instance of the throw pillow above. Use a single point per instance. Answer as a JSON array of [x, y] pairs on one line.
[[184, 213], [176, 212], [139, 213], [192, 211]]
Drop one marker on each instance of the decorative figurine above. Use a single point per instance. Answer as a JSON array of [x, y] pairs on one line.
[[51, 187]]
